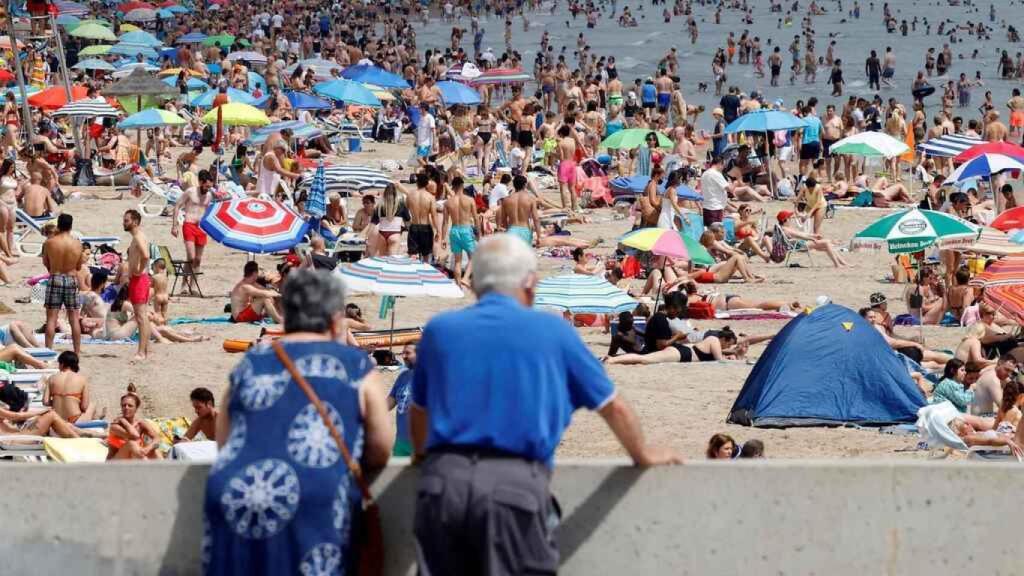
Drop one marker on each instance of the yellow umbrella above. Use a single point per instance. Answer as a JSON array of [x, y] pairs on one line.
[[382, 94], [176, 71], [237, 114], [129, 28]]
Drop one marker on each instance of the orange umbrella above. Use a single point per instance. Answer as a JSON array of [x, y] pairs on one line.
[[908, 156], [55, 97]]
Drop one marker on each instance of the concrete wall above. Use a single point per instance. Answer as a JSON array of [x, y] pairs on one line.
[[756, 518]]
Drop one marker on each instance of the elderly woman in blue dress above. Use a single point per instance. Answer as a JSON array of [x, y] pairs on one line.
[[279, 499]]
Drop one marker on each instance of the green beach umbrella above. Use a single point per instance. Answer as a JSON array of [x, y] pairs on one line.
[[225, 40], [95, 50], [93, 31], [870, 144], [699, 255], [633, 137], [914, 230]]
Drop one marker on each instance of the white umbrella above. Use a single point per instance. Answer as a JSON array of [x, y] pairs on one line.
[[88, 108], [870, 144]]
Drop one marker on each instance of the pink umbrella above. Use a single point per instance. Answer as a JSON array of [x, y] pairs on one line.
[[660, 241]]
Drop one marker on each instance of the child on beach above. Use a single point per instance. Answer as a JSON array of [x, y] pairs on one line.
[[161, 296]]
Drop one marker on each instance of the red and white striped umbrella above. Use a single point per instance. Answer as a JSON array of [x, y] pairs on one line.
[[254, 225]]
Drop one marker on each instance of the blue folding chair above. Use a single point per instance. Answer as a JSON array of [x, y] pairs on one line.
[[693, 224]]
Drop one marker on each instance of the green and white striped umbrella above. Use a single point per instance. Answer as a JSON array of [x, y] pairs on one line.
[[914, 230], [582, 294], [870, 144]]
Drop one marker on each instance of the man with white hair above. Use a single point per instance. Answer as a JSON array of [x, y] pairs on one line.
[[494, 389]]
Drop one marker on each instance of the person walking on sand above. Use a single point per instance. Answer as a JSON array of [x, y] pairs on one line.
[[193, 202], [461, 222], [138, 279], [485, 447], [62, 257]]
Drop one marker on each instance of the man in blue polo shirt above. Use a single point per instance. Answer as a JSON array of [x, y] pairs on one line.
[[494, 389]]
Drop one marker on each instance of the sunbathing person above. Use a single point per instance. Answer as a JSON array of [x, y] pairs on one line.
[[37, 422], [747, 233], [709, 349], [813, 241], [912, 350], [882, 189], [733, 302], [17, 332], [120, 324], [206, 416], [94, 309], [67, 392], [933, 300], [970, 349], [17, 354], [722, 272], [586, 264], [250, 300], [132, 437], [1009, 413], [971, 430]]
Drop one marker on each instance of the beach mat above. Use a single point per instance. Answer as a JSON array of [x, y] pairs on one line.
[[222, 319], [753, 314]]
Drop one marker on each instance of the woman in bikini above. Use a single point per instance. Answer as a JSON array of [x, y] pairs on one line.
[[711, 348], [132, 437], [484, 132], [389, 216], [67, 392], [8, 207]]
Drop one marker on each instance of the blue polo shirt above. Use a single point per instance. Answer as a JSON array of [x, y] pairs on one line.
[[812, 131], [499, 375]]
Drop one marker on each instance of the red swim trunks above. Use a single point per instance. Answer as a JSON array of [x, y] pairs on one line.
[[248, 315], [138, 289], [193, 233]]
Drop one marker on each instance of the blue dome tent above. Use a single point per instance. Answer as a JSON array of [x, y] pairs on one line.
[[828, 367]]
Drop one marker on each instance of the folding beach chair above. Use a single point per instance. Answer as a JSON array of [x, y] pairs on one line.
[[29, 238], [693, 224], [182, 270], [791, 246], [158, 197]]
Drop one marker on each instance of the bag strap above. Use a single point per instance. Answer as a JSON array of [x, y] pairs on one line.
[[353, 466]]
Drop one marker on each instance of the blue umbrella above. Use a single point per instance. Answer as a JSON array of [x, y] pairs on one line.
[[134, 50], [140, 38], [177, 9], [257, 81], [191, 38], [316, 204], [303, 101], [456, 93], [164, 14], [191, 83], [151, 118], [205, 100], [375, 75], [68, 21], [300, 131], [983, 166], [765, 121], [346, 91]]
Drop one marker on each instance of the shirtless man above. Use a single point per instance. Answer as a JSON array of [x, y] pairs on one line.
[[567, 168], [250, 302], [831, 131], [138, 278], [206, 416], [36, 199], [663, 88], [423, 228], [194, 202], [460, 222], [995, 131], [45, 174], [1016, 106], [62, 257], [519, 214]]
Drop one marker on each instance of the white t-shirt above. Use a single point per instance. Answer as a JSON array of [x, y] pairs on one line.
[[498, 193], [282, 44], [712, 186], [516, 158], [264, 19], [278, 20], [425, 130]]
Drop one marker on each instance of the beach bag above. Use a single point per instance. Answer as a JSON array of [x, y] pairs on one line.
[[367, 538], [779, 249], [84, 176], [701, 311]]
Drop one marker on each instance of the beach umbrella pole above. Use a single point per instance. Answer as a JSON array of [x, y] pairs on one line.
[[26, 110], [63, 70]]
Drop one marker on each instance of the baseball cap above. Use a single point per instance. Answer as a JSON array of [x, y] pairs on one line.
[[783, 215]]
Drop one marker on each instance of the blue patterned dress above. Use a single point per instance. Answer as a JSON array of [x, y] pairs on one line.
[[279, 499]]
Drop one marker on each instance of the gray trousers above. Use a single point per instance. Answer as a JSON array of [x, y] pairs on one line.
[[489, 516]]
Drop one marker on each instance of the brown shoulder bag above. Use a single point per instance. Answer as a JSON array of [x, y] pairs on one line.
[[370, 540]]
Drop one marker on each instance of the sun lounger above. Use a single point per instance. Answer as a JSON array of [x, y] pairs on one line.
[[27, 376], [22, 448], [29, 238], [74, 450], [41, 353], [157, 197]]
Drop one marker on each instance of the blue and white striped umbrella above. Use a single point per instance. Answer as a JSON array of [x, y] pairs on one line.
[[983, 166], [948, 146], [316, 204], [582, 294], [397, 276], [348, 179], [254, 225]]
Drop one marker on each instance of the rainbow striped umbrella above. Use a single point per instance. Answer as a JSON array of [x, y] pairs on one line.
[[659, 241], [254, 225], [397, 276], [1007, 272]]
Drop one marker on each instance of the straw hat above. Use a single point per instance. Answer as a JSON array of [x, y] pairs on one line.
[[718, 112]]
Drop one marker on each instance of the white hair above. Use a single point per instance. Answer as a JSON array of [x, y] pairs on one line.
[[502, 263]]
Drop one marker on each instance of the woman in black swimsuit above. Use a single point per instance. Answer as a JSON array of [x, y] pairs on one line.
[[710, 348]]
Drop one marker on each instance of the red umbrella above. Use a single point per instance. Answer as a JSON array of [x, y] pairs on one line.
[[1004, 148], [6, 76], [1006, 272], [55, 97], [1008, 300], [1012, 219]]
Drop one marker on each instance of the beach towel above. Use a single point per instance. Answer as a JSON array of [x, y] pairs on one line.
[[222, 319], [169, 428], [69, 450], [754, 314]]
